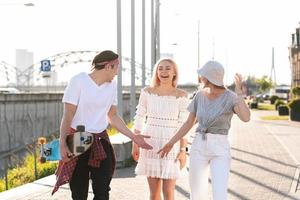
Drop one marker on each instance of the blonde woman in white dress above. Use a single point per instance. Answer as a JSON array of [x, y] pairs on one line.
[[160, 112]]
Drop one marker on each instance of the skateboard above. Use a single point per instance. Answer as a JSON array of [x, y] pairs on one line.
[[78, 143]]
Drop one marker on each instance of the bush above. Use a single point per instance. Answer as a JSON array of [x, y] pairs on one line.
[[273, 98], [25, 173], [2, 185], [283, 110], [295, 105], [279, 102], [296, 91]]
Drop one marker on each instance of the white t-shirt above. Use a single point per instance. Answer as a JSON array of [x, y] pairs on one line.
[[93, 102]]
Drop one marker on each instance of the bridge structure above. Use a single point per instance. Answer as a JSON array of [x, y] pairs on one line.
[[73, 60]]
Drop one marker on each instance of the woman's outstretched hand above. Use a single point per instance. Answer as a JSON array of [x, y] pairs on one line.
[[165, 150], [181, 157]]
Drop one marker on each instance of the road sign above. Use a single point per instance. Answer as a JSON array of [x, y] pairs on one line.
[[45, 66]]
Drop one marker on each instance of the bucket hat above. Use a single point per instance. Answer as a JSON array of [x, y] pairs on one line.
[[213, 71]]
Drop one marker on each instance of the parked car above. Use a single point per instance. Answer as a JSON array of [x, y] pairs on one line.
[[9, 90]]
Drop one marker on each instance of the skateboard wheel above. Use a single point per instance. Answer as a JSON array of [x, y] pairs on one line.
[[42, 159], [80, 128], [80, 149]]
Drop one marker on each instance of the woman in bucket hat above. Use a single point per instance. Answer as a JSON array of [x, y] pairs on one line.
[[212, 107]]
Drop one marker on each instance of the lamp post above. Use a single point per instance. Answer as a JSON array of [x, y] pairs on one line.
[[27, 4]]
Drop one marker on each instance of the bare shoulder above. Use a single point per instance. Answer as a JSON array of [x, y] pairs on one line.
[[148, 89], [181, 93]]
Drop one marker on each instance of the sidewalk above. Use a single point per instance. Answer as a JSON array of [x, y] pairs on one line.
[[264, 157]]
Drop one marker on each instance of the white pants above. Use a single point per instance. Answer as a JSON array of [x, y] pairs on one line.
[[214, 152]]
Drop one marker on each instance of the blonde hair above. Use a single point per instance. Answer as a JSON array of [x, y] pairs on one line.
[[155, 80]]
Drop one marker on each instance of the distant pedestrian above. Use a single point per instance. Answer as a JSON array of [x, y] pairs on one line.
[[160, 112], [91, 100], [212, 107]]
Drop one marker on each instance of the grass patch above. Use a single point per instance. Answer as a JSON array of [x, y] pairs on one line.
[[274, 117], [265, 106]]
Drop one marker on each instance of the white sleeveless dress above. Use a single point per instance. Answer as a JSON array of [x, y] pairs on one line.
[[159, 117]]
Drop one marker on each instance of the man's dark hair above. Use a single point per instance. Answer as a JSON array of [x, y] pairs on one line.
[[103, 58]]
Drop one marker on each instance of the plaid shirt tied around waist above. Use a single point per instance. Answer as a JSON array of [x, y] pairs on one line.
[[65, 169]]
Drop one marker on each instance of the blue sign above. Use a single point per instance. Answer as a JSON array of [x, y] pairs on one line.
[[45, 66]]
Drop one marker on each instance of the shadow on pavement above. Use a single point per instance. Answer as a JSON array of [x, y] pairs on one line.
[[263, 185], [267, 158], [263, 168]]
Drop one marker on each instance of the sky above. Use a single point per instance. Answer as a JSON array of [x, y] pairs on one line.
[[238, 33]]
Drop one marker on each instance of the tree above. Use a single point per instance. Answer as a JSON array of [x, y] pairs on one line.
[[250, 83], [265, 84]]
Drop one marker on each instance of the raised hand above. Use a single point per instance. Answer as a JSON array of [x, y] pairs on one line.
[[139, 140], [238, 83], [165, 150]]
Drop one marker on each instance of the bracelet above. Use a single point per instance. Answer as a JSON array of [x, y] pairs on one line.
[[184, 149]]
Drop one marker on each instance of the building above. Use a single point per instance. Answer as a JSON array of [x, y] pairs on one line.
[[294, 57], [24, 60]]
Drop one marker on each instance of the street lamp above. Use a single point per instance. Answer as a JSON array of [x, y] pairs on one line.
[[29, 4]]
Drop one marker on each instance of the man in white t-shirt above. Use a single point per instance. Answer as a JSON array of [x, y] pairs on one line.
[[91, 100]]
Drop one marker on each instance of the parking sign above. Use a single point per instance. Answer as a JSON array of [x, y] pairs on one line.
[[45, 66]]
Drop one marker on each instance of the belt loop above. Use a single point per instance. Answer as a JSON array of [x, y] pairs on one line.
[[203, 136], [203, 132]]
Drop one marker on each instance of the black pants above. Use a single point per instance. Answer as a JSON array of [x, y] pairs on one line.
[[101, 177]]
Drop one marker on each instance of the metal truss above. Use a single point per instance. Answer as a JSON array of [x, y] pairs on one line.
[[32, 76]]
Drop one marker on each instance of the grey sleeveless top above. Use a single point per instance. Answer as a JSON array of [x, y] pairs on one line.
[[213, 116]]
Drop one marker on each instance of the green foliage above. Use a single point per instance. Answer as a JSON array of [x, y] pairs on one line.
[[296, 91], [260, 100], [279, 102], [295, 105], [273, 98], [275, 117], [265, 84], [25, 173], [2, 185], [264, 106]]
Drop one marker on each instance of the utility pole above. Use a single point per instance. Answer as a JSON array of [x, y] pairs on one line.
[[152, 37], [198, 43], [273, 68], [143, 45], [157, 31], [119, 50], [213, 48], [132, 88]]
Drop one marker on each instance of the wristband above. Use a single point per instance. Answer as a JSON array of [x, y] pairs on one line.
[[184, 149]]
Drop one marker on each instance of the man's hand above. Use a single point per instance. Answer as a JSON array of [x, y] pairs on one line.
[[65, 153], [139, 140]]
